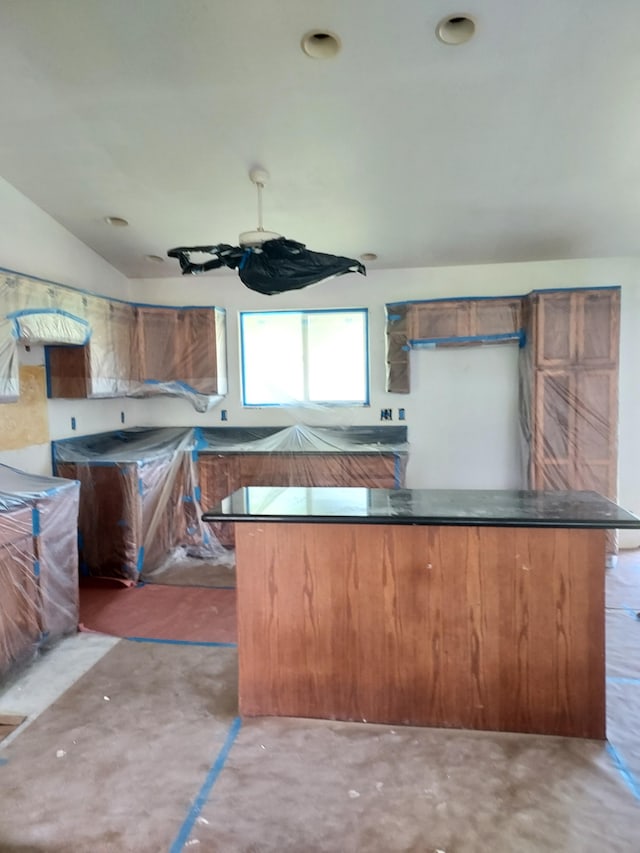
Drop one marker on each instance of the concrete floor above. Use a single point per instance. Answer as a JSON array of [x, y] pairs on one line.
[[136, 746]]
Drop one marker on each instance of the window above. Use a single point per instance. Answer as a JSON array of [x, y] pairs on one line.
[[291, 357]]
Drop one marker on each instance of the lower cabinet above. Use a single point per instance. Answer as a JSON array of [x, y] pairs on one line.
[[220, 474], [19, 622], [132, 513]]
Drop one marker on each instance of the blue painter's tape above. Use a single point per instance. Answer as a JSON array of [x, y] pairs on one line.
[[182, 642], [624, 771], [187, 499], [194, 455], [35, 521], [205, 790], [393, 318], [198, 437], [620, 679], [36, 568], [140, 558], [464, 339], [140, 486], [197, 493], [191, 530]]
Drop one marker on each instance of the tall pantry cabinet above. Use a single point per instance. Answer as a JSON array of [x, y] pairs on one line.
[[570, 384]]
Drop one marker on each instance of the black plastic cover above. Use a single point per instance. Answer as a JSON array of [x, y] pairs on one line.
[[275, 267]]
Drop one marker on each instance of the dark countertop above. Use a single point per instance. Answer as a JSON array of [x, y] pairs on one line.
[[421, 506]]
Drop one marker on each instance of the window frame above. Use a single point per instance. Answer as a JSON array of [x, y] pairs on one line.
[[304, 312]]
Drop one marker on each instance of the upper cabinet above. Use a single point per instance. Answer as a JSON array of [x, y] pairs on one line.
[[106, 365], [133, 345], [186, 345], [578, 327]]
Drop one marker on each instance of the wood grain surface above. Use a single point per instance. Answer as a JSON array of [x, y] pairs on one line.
[[467, 627]]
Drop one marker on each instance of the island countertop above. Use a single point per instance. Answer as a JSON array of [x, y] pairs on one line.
[[444, 507]]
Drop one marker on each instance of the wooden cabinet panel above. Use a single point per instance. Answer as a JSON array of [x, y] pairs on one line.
[[598, 327], [578, 328], [158, 336], [19, 625], [555, 329], [433, 626], [446, 319], [496, 316], [555, 415], [105, 366], [202, 350]]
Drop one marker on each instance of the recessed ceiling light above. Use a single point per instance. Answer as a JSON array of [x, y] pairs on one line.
[[369, 256], [157, 259], [456, 29], [116, 220], [321, 44]]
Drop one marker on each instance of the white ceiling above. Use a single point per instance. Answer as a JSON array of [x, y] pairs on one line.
[[523, 144]]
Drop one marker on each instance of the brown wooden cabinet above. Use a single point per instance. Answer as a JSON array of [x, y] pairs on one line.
[[183, 345], [106, 366], [132, 512], [19, 622], [132, 345], [574, 389]]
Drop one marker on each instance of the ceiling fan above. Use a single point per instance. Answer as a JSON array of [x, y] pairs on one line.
[[266, 261]]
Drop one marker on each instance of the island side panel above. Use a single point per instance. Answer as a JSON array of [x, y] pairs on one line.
[[468, 627]]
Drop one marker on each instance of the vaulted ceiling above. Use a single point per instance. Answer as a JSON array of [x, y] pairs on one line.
[[522, 144]]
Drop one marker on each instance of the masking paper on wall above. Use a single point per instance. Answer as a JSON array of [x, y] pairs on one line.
[[25, 422]]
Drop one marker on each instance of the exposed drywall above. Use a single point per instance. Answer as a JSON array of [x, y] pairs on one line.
[[25, 422]]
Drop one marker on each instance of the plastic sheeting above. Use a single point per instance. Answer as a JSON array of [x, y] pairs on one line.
[[568, 386], [276, 266], [144, 490], [50, 327], [110, 348], [38, 563]]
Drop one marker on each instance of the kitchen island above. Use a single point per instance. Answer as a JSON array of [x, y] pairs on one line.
[[461, 609]]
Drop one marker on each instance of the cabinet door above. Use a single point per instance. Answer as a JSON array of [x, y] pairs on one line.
[[595, 445], [68, 372], [158, 335], [554, 439], [555, 329], [495, 316], [204, 364], [446, 319], [598, 327], [122, 337], [19, 626]]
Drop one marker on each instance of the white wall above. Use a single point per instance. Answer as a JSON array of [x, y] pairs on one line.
[[383, 286], [32, 243]]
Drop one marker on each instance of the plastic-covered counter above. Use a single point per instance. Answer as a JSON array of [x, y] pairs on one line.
[[144, 489], [457, 609]]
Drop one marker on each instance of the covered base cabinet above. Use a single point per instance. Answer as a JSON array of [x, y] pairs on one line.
[[477, 610], [38, 564]]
